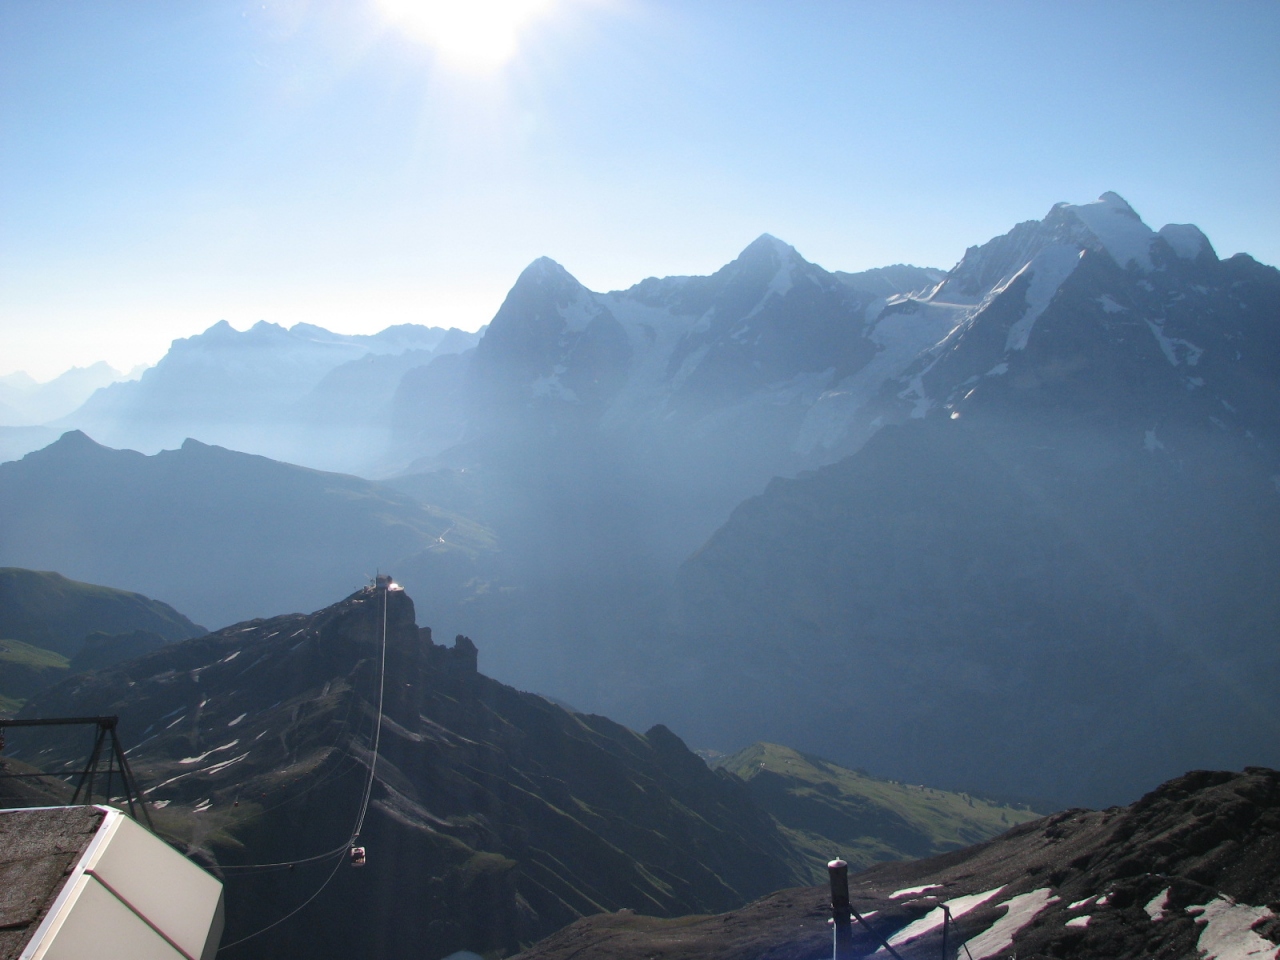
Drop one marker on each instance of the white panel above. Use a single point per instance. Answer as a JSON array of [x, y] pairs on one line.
[[99, 927], [161, 884]]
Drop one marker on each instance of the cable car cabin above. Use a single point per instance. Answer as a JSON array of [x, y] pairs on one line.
[[357, 856]]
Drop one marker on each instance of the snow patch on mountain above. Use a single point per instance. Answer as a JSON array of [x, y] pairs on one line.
[[1228, 933], [1048, 270], [579, 313], [550, 386], [912, 891], [783, 280], [1175, 350], [901, 335], [934, 918], [1022, 910], [1156, 907]]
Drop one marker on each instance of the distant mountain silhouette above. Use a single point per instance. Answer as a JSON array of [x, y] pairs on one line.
[[223, 535], [303, 394]]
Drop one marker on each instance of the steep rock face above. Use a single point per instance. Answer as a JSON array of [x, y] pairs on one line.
[[1064, 549], [1192, 869], [496, 816], [605, 436], [550, 341], [954, 604]]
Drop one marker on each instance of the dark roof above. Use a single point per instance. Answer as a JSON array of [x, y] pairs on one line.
[[38, 848]]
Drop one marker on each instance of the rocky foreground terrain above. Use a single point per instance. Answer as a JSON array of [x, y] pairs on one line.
[[1190, 870]]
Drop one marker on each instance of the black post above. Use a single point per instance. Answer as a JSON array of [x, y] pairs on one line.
[[131, 786], [111, 765], [946, 922], [841, 916], [90, 768]]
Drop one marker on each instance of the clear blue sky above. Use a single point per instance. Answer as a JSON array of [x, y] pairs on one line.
[[164, 165]]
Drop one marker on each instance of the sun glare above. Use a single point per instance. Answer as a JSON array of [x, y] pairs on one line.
[[469, 34]]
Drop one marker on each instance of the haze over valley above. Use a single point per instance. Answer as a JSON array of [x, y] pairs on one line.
[[1009, 528]]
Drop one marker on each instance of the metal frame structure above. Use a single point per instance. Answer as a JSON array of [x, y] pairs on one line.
[[115, 755]]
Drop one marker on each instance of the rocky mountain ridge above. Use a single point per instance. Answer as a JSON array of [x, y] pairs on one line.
[[1057, 545], [497, 816], [1190, 870]]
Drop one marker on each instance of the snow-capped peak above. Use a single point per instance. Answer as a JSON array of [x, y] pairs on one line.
[[767, 241], [544, 270], [1116, 226], [1187, 240]]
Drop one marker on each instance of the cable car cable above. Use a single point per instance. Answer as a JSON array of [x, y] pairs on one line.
[[377, 736], [364, 803]]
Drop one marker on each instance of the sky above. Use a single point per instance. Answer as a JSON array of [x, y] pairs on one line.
[[355, 164]]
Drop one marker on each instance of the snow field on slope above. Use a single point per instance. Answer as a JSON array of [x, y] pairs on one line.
[[1227, 933], [1049, 269], [901, 338], [934, 918], [1022, 910], [1125, 237]]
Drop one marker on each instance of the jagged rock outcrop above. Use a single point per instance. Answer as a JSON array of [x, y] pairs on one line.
[[497, 816]]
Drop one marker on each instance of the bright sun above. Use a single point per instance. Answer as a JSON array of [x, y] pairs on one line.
[[470, 34]]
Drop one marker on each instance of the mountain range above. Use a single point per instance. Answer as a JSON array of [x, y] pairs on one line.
[[1010, 528], [1053, 569], [303, 394], [25, 402], [224, 535]]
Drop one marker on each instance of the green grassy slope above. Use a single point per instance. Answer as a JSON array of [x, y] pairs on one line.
[[46, 617], [830, 811], [48, 610], [24, 669]]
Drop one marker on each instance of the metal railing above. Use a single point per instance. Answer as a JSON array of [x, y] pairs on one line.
[[117, 762]]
